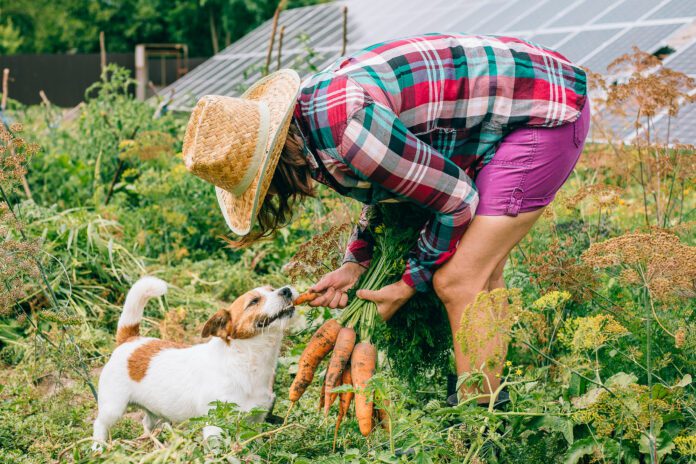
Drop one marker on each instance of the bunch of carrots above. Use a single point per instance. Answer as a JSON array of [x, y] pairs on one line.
[[354, 358]]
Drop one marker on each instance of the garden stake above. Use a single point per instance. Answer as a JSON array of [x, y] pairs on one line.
[[276, 15], [280, 45], [344, 44]]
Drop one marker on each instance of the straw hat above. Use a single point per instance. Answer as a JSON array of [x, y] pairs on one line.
[[235, 143]]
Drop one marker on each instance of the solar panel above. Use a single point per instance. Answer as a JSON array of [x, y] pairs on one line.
[[646, 38], [549, 40], [584, 43], [684, 61], [583, 30], [323, 28], [507, 14], [682, 128], [679, 129], [627, 11], [471, 23], [540, 15], [582, 14], [675, 9]]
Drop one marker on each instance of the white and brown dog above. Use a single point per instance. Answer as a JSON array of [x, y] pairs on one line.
[[175, 382]]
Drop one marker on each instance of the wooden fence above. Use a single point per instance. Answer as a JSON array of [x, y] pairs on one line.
[[65, 78]]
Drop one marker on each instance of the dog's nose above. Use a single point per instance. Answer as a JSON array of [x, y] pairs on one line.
[[285, 292]]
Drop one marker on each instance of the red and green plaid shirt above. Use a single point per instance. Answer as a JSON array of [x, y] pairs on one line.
[[413, 119]]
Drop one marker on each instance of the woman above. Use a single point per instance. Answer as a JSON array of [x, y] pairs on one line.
[[480, 131]]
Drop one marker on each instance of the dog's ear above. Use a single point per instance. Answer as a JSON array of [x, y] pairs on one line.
[[218, 325]]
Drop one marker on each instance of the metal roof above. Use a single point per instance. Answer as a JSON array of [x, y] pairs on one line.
[[592, 33]]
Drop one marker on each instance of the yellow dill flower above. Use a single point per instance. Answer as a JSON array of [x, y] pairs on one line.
[[552, 299], [518, 372], [123, 144], [379, 229], [590, 333], [686, 445], [508, 363]]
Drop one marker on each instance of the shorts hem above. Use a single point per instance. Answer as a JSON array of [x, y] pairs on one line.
[[528, 205]]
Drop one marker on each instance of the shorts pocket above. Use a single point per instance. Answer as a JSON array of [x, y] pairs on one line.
[[516, 149]]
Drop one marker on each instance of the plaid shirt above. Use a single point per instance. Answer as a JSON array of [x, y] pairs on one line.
[[414, 119]]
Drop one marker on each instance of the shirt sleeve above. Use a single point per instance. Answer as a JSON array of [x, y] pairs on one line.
[[361, 241], [379, 148]]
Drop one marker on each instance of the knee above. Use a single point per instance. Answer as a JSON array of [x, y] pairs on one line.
[[496, 280], [464, 286]]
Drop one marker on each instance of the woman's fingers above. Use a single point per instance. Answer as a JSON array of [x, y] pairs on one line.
[[325, 299], [369, 295], [344, 300], [336, 300], [324, 283]]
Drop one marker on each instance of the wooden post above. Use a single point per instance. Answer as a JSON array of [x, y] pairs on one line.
[[45, 100], [213, 31], [5, 79], [140, 72], [280, 45], [276, 15], [345, 31], [102, 50]]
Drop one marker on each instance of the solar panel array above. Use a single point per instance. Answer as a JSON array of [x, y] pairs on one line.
[[592, 33]]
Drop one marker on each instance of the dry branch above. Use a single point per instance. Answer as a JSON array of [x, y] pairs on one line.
[[345, 31], [276, 15]]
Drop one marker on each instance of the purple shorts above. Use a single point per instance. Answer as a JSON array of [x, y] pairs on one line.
[[530, 166]]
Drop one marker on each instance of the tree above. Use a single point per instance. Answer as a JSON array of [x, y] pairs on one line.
[[72, 26]]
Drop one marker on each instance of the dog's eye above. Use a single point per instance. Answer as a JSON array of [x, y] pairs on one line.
[[254, 302]]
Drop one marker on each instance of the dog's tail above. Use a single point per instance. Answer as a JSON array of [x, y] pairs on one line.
[[138, 296]]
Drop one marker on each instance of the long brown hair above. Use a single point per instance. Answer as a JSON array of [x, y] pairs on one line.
[[291, 183]]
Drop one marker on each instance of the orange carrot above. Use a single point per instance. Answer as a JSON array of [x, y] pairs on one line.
[[332, 396], [343, 403], [345, 397], [383, 416], [325, 389], [341, 354], [321, 395], [362, 368], [305, 297], [319, 345]]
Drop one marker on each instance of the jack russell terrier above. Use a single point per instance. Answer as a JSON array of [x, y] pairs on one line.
[[176, 382]]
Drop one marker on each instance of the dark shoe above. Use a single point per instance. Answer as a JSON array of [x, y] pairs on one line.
[[500, 402], [273, 419], [451, 385]]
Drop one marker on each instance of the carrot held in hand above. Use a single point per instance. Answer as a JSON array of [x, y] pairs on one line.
[[319, 345], [345, 341], [343, 402], [305, 297], [322, 392], [383, 415], [362, 368]]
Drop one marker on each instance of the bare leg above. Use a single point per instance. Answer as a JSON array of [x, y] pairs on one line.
[[496, 280], [149, 423], [109, 412], [477, 266]]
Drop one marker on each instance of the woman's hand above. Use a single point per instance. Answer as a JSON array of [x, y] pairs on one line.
[[388, 299], [335, 284]]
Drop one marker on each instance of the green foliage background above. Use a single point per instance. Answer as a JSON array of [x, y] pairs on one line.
[[72, 26]]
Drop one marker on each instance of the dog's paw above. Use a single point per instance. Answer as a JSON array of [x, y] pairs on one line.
[[211, 431], [97, 447], [212, 438]]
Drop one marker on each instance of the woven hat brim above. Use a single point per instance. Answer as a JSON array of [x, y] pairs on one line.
[[279, 91]]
